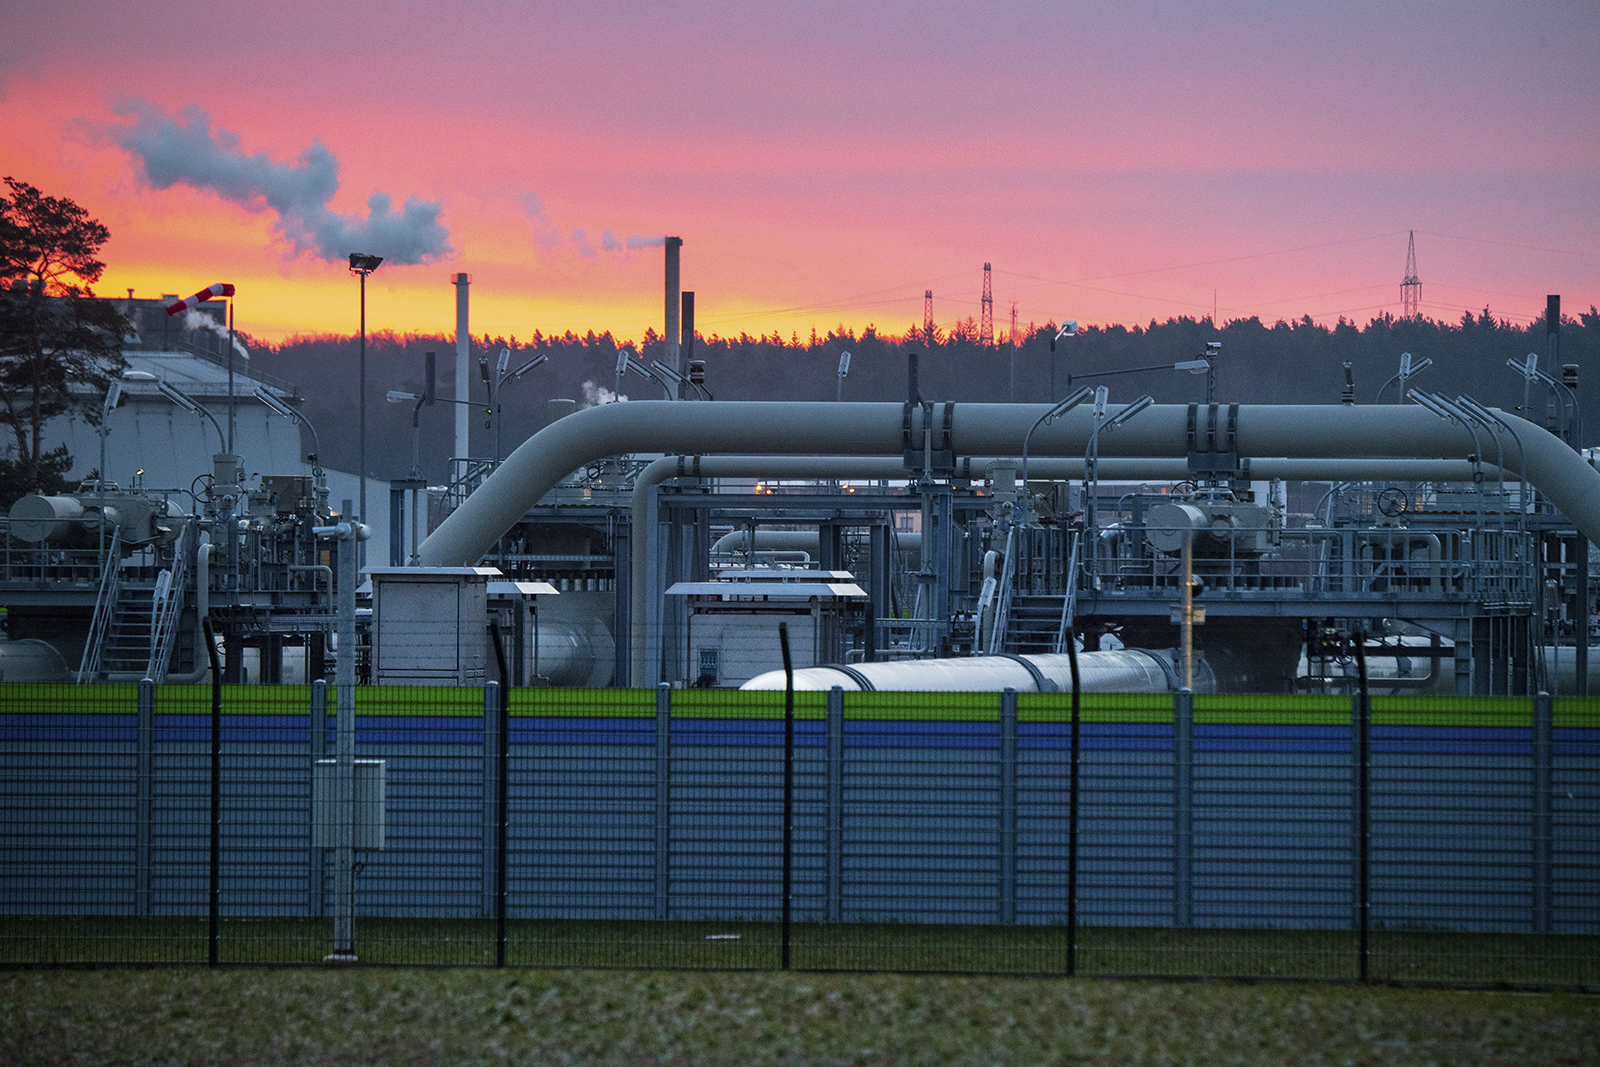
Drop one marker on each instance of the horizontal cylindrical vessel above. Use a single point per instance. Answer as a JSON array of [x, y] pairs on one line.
[[1126, 670]]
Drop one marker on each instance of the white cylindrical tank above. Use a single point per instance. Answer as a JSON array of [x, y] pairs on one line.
[[31, 660], [37, 519], [1123, 671]]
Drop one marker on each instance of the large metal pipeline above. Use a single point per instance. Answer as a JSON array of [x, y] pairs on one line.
[[1127, 670], [1163, 431]]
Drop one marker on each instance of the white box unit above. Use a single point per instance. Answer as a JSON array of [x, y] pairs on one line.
[[430, 625], [371, 791]]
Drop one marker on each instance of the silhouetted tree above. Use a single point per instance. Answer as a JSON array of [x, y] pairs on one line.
[[59, 345]]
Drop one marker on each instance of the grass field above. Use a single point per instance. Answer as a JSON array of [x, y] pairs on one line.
[[466, 1016], [1468, 960]]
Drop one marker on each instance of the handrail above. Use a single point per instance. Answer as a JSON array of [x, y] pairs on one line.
[[167, 608], [104, 605], [1069, 602]]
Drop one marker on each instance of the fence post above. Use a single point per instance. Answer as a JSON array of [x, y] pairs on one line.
[[491, 791], [1183, 808], [1363, 717], [1069, 639], [1008, 806], [1543, 846], [835, 820], [214, 891], [663, 892], [316, 873], [144, 770]]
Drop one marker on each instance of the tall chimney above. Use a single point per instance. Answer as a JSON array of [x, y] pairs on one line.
[[463, 379], [686, 342], [670, 354], [1552, 332]]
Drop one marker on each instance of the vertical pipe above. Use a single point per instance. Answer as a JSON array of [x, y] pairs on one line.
[[1183, 808], [214, 891], [463, 379], [1073, 787], [1543, 852], [1363, 710], [663, 812], [1008, 807], [669, 338], [835, 819], [319, 744], [142, 814], [788, 788]]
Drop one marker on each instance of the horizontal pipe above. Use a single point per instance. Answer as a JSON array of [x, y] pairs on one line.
[[1262, 432]]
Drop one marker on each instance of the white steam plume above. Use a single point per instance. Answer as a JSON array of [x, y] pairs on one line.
[[195, 319], [595, 395], [173, 152], [547, 235]]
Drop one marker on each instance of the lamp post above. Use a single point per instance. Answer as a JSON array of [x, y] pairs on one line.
[[844, 369], [639, 368], [1069, 328], [1091, 461], [1529, 369], [495, 381], [363, 265], [683, 384], [1049, 416], [1407, 369], [194, 407], [319, 478]]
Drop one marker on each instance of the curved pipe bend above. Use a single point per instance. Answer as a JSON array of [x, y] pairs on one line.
[[796, 428]]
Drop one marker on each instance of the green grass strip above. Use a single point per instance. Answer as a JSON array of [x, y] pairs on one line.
[[1577, 712], [1452, 711]]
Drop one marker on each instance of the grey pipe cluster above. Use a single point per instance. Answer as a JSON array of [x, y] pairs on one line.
[[1264, 432]]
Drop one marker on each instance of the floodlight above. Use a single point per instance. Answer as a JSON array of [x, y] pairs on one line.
[[179, 397], [528, 366], [1129, 412], [844, 364], [362, 263]]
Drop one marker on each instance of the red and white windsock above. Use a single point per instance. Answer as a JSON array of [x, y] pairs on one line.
[[220, 289]]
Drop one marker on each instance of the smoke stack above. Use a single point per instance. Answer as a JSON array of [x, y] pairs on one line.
[[1552, 331], [669, 340], [463, 380]]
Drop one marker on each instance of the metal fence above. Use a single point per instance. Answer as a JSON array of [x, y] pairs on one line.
[[1408, 839]]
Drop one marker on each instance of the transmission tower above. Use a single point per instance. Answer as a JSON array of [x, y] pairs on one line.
[[1411, 286], [927, 318], [986, 322]]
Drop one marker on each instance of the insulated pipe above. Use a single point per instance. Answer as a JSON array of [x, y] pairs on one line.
[[1315, 432], [1123, 671]]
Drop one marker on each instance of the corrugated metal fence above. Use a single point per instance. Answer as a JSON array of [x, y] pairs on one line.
[[1215, 835]]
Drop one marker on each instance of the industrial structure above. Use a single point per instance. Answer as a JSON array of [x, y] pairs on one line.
[[1195, 546]]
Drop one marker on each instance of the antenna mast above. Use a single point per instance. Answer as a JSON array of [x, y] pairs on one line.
[[986, 323], [1411, 286]]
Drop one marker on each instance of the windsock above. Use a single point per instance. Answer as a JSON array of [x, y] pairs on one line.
[[220, 289]]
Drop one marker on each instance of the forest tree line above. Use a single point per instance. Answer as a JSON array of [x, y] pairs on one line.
[[1299, 362]]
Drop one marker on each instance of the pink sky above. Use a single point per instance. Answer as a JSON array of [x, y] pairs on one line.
[[823, 162]]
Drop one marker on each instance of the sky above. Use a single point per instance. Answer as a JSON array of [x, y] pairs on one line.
[[825, 163]]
